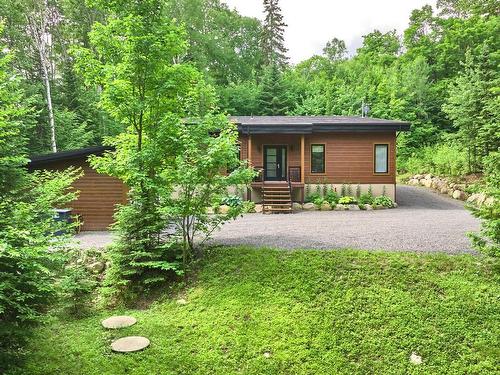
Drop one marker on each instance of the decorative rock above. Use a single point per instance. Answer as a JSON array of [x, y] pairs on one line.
[[258, 208], [421, 181], [368, 207], [339, 207], [458, 194], [96, 267], [353, 207], [477, 198], [394, 205], [444, 190], [415, 359], [428, 176], [296, 206], [224, 209], [414, 181], [119, 321], [418, 176], [309, 207], [427, 183], [130, 344], [325, 206]]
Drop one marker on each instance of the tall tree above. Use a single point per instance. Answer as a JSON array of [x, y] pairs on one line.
[[273, 42], [273, 94], [41, 20], [335, 49]]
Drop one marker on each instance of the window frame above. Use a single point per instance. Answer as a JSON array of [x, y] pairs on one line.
[[387, 146], [324, 158]]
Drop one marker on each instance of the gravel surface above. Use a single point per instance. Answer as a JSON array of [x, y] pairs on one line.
[[424, 221]]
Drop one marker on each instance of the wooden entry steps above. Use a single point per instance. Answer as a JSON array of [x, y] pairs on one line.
[[276, 198]]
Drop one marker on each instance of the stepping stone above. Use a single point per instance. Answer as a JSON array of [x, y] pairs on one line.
[[130, 344], [119, 322]]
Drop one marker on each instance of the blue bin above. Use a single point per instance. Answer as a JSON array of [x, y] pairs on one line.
[[62, 214]]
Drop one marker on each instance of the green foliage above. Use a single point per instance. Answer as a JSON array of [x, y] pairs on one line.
[[488, 240], [332, 197], [232, 201], [347, 200], [248, 206], [366, 198], [358, 190], [232, 284], [273, 99], [273, 39], [383, 201], [343, 190], [446, 159], [318, 201], [312, 197]]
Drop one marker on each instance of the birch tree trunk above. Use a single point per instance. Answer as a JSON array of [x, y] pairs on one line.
[[50, 110]]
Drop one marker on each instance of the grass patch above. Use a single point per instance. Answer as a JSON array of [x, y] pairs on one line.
[[314, 312]]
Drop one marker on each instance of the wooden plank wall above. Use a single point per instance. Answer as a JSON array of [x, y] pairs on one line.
[[98, 197], [348, 156]]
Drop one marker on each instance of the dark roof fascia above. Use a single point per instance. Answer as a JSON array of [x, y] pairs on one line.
[[67, 155], [321, 128]]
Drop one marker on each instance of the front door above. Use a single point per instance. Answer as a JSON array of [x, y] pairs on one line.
[[274, 163]]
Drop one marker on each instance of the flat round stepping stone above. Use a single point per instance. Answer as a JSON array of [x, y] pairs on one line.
[[120, 321], [130, 344]]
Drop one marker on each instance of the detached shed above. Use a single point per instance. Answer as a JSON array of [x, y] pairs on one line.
[[99, 193]]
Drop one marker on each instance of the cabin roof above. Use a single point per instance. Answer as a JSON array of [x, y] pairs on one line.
[[315, 124]]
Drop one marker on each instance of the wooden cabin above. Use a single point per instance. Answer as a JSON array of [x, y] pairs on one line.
[[290, 152], [312, 150]]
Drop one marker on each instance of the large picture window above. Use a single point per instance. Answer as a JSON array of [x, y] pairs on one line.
[[381, 158], [317, 158]]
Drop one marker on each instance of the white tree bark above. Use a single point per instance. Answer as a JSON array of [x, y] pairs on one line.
[[39, 23]]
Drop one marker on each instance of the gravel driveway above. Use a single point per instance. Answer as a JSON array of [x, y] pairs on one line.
[[424, 221]]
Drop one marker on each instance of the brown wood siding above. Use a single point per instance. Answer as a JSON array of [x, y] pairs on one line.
[[349, 157], [99, 194]]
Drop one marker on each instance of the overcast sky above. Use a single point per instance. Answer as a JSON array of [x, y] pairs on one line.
[[311, 23]]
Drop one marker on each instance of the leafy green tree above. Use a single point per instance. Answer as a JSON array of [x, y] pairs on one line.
[[31, 257], [273, 41], [335, 49], [471, 99]]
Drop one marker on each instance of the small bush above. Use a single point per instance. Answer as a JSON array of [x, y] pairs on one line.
[[383, 201], [347, 200], [318, 201], [248, 206], [332, 197], [366, 198], [232, 201], [311, 197]]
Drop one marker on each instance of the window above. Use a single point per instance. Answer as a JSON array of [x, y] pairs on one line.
[[317, 158], [381, 159]]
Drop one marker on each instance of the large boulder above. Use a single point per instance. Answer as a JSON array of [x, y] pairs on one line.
[[477, 199], [413, 181], [96, 267], [296, 206], [418, 176], [325, 206], [309, 207], [459, 194], [444, 190], [368, 207], [353, 207], [428, 176], [340, 207]]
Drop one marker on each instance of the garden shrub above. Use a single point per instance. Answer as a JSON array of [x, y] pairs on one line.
[[319, 201], [232, 201], [366, 198], [332, 197], [248, 206], [383, 201], [311, 197], [347, 200]]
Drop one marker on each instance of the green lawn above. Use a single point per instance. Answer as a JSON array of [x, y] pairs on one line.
[[315, 312]]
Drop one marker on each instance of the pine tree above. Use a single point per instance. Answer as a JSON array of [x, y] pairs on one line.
[[273, 47], [272, 98]]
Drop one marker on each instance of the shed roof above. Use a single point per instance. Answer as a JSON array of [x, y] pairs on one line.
[[315, 124], [66, 155]]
